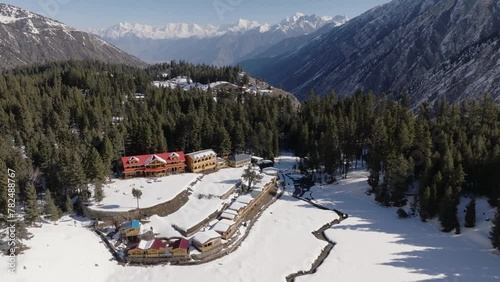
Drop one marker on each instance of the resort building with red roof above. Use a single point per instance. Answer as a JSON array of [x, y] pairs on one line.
[[154, 165]]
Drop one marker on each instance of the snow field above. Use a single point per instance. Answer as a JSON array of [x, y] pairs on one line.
[[118, 195]]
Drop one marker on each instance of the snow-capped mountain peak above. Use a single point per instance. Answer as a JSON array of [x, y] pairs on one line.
[[10, 14], [301, 23], [243, 25], [222, 45], [293, 18], [23, 32], [296, 23], [169, 31]]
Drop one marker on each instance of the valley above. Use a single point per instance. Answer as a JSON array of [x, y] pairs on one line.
[[245, 141]]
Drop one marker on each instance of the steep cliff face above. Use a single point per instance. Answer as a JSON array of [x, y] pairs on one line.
[[27, 38], [428, 48]]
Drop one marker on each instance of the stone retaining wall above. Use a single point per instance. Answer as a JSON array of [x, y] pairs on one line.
[[156, 260], [162, 209]]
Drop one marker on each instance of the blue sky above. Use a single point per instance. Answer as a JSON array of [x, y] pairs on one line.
[[84, 14]]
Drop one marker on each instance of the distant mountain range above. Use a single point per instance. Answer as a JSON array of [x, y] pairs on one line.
[[27, 38], [428, 48], [216, 45], [173, 30]]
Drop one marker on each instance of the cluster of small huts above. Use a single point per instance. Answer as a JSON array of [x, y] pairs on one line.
[[230, 219]]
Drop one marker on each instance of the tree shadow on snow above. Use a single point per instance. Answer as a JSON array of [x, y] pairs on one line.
[[440, 253]]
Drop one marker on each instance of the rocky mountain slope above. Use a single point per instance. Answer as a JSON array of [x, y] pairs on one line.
[[428, 48], [27, 38], [217, 45]]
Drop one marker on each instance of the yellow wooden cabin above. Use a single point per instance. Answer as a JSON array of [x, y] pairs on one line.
[[152, 248], [206, 241], [226, 228], [130, 228], [179, 247], [201, 161]]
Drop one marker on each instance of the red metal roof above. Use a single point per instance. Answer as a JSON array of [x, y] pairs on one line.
[[180, 244], [158, 244], [141, 159]]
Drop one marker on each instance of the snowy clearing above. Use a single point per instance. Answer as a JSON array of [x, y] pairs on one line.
[[118, 195], [200, 204], [62, 252], [219, 183], [373, 244]]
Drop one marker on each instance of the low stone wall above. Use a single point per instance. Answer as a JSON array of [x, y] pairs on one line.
[[229, 193], [156, 260], [205, 255], [110, 247], [162, 209]]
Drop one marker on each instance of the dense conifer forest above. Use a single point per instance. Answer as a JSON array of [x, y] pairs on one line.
[[64, 125]]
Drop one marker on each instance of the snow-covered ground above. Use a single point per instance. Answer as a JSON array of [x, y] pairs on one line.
[[198, 207], [187, 84], [372, 245], [118, 195], [219, 183], [484, 214], [62, 252], [279, 243]]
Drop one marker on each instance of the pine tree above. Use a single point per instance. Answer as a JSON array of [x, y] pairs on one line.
[[72, 172], [495, 231], [69, 204], [448, 211], [50, 207], [30, 204], [107, 152], [94, 168], [98, 192], [398, 171], [251, 176], [373, 180], [137, 194], [4, 193], [222, 141], [238, 136], [458, 228], [433, 205], [470, 214], [414, 204], [382, 195], [424, 203]]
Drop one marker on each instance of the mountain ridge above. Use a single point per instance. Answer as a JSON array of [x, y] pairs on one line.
[[27, 38], [428, 49], [221, 48], [182, 30]]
